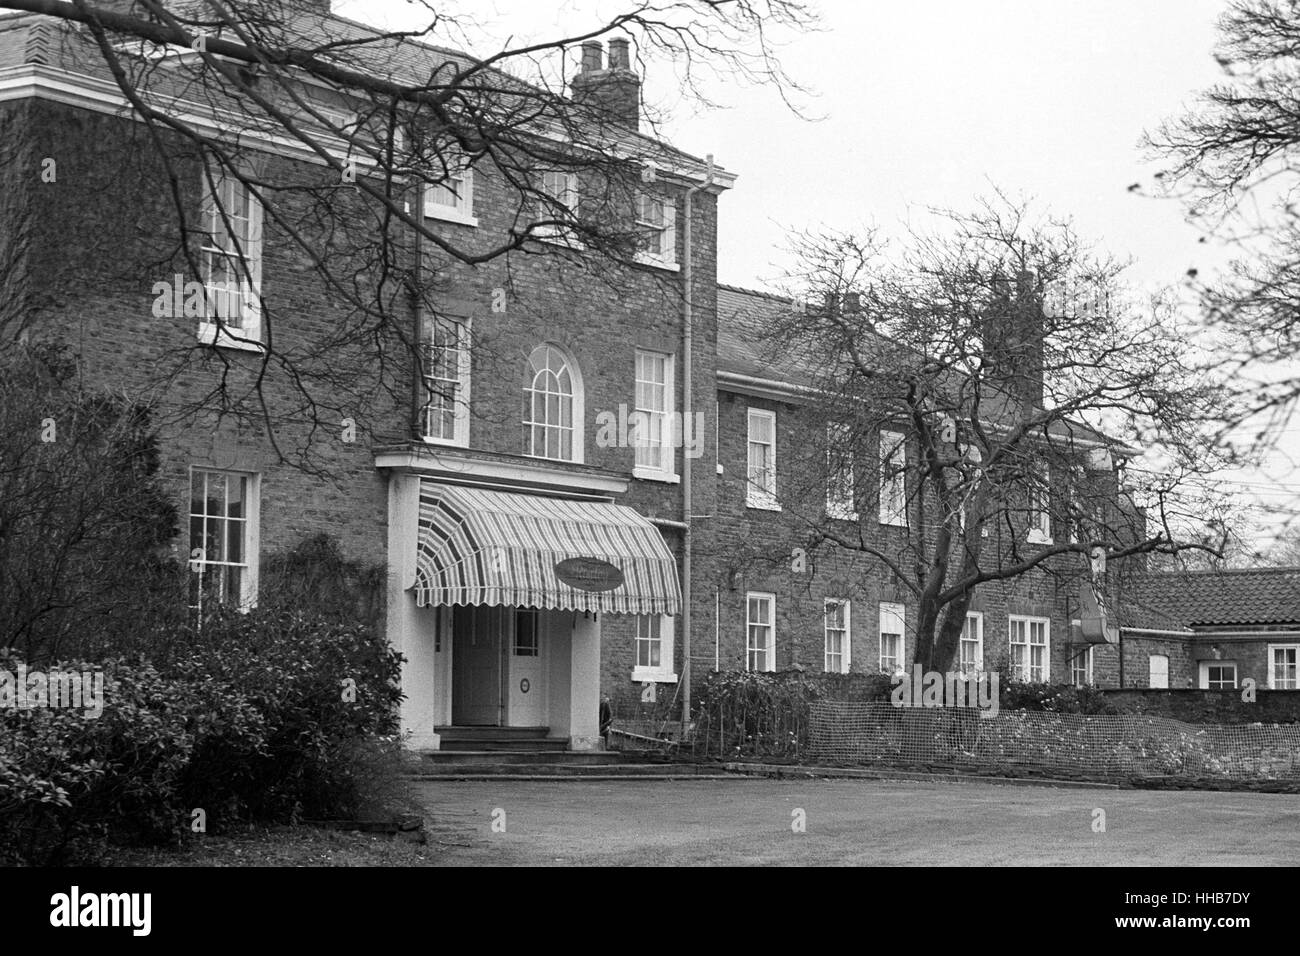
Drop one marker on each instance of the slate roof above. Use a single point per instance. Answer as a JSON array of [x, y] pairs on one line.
[[32, 38], [744, 317], [1180, 600]]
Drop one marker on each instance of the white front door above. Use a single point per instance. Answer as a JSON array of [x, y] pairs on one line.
[[526, 684]]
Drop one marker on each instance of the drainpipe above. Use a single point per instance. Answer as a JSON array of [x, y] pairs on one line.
[[688, 419], [417, 263]]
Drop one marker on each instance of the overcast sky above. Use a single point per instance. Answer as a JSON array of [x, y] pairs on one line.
[[932, 104]]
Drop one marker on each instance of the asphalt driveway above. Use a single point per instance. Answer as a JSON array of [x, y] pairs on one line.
[[749, 821]]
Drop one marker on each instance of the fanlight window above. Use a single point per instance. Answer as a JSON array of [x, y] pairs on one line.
[[552, 406]]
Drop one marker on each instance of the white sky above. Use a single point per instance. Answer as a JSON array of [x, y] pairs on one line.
[[931, 104]]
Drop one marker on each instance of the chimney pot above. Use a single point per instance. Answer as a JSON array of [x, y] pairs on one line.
[[618, 55], [593, 55]]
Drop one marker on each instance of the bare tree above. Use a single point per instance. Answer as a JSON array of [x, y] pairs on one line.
[[379, 119], [984, 404], [1235, 158]]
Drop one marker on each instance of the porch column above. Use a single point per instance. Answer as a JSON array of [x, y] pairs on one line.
[[584, 684], [410, 629]]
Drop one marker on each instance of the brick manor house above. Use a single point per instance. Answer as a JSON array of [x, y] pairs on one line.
[[498, 519]]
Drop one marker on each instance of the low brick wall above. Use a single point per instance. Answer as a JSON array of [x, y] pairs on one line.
[[1209, 706]]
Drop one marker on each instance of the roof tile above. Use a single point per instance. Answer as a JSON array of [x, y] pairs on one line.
[[1181, 599]]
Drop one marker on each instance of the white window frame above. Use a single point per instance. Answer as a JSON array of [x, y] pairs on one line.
[[1040, 507], [842, 482], [893, 478], [893, 620], [1294, 682], [1075, 668], [664, 673], [460, 385], [664, 469], [458, 182], [767, 599], [974, 623], [756, 495], [576, 426], [566, 195], [656, 215], [1028, 621], [845, 632], [251, 533], [245, 251], [1204, 674], [1151, 673]]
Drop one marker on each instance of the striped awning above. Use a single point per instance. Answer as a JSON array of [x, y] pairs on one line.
[[499, 548]]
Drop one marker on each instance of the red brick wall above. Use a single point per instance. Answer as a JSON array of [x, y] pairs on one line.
[[107, 232], [758, 543]]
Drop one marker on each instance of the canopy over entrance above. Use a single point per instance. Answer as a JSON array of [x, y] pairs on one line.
[[498, 548]]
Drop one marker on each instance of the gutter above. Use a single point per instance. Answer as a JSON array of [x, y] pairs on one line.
[[765, 387]]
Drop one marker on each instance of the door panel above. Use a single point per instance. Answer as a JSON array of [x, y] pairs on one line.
[[526, 685], [476, 666]]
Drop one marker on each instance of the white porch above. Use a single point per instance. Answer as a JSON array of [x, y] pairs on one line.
[[496, 628]]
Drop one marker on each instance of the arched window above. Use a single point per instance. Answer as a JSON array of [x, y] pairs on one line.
[[552, 406]]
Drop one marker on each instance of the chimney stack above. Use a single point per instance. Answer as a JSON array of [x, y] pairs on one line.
[[610, 89], [1013, 337]]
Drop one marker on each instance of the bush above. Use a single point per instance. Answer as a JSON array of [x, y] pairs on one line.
[[268, 717], [317, 685], [68, 781], [84, 513], [1054, 698]]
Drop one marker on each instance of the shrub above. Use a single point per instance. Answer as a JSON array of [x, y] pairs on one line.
[[314, 574], [269, 716], [1054, 698], [316, 685], [83, 512], [68, 782]]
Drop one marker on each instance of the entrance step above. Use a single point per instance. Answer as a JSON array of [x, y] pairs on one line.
[[516, 771], [500, 738], [467, 757], [460, 732], [555, 745]]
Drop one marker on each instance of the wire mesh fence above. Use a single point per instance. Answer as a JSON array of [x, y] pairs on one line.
[[1066, 745]]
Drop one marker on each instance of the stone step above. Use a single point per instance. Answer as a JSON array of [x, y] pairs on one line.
[[503, 733], [453, 771], [479, 744], [491, 757]]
